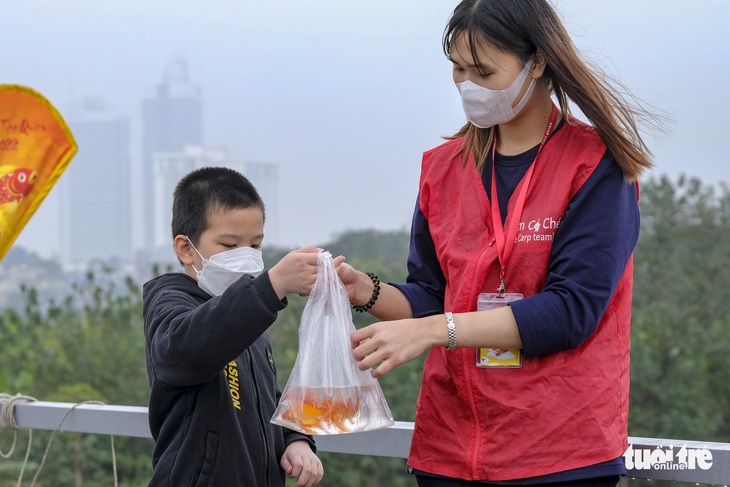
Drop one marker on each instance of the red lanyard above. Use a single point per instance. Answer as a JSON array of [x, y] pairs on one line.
[[506, 244]]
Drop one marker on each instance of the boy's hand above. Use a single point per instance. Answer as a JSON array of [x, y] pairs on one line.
[[299, 461], [295, 272]]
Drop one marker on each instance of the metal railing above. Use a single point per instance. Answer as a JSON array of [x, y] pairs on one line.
[[647, 458]]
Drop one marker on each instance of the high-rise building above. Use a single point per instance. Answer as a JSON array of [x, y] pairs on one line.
[[95, 189], [170, 167], [265, 176], [171, 120]]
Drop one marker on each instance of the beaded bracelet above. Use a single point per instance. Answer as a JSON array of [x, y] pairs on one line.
[[373, 298]]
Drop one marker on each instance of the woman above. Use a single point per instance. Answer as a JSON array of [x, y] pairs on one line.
[[520, 265]]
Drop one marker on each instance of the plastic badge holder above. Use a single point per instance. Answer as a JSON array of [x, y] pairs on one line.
[[326, 392], [490, 357]]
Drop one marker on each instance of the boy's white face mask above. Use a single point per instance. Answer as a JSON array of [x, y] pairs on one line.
[[486, 108], [225, 268]]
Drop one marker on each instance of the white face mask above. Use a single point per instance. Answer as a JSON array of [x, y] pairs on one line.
[[225, 268], [486, 108]]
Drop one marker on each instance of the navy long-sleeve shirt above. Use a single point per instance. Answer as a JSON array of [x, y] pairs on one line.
[[589, 254]]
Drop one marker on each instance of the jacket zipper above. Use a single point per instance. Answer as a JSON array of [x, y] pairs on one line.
[[257, 396], [469, 372]]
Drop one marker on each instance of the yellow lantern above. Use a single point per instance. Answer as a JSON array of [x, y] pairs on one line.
[[36, 146]]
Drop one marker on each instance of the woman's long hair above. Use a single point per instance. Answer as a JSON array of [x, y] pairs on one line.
[[522, 27]]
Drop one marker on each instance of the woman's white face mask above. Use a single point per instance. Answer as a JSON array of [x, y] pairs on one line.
[[225, 268], [486, 108]]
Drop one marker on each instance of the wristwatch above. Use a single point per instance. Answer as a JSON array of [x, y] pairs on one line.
[[452, 331]]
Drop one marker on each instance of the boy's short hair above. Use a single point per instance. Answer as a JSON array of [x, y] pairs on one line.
[[205, 189]]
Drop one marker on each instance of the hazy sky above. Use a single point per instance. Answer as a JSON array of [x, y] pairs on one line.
[[345, 95]]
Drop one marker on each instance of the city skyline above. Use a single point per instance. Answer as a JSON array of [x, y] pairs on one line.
[[345, 96], [95, 207]]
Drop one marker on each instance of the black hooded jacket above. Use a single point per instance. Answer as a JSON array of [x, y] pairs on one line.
[[213, 384]]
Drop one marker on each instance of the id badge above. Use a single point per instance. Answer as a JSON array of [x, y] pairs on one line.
[[490, 357]]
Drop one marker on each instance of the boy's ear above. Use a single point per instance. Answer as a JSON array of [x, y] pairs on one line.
[[183, 249]]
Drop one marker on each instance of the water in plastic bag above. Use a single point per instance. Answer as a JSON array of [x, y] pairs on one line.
[[326, 393]]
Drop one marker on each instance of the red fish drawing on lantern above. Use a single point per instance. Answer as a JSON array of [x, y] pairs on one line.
[[15, 184]]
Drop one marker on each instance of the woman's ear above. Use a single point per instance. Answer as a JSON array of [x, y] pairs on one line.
[[539, 63], [183, 249]]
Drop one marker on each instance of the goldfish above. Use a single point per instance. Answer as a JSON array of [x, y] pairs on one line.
[[322, 410]]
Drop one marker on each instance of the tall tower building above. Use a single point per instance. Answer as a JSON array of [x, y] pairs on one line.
[[171, 119], [95, 189]]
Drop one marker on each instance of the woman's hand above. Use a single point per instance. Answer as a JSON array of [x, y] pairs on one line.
[[390, 304], [392, 343], [353, 280]]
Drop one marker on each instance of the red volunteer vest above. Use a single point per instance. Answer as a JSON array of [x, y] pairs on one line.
[[557, 412]]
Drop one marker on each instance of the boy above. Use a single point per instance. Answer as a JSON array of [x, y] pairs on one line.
[[209, 361]]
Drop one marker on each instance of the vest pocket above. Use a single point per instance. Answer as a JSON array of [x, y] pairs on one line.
[[206, 461]]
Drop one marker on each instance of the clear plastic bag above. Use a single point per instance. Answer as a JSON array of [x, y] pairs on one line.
[[326, 393]]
